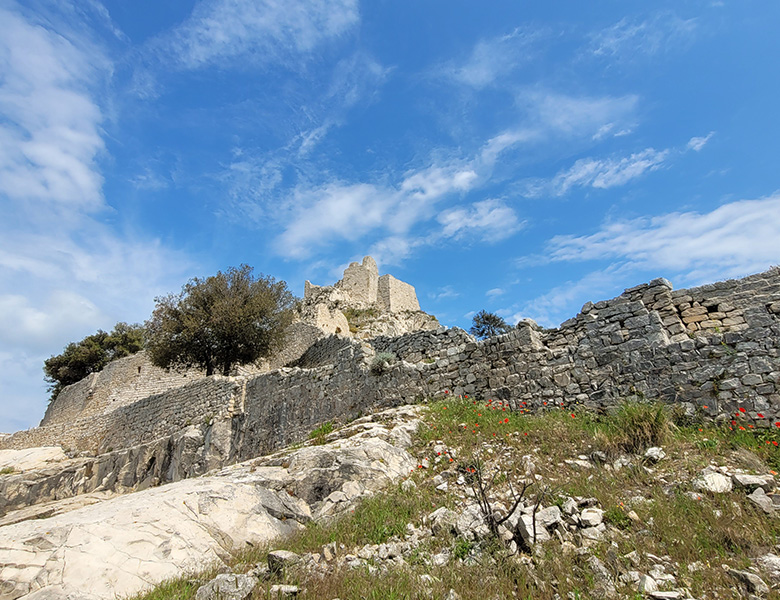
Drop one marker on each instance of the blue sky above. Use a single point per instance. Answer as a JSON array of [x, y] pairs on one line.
[[519, 157]]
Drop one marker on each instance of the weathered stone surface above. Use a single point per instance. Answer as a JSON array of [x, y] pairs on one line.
[[754, 584], [770, 563], [716, 483], [31, 458], [279, 560], [227, 586], [127, 543], [751, 482], [655, 454], [591, 517]]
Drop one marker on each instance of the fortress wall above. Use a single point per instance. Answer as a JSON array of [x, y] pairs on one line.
[[625, 347], [395, 295], [121, 382], [147, 419]]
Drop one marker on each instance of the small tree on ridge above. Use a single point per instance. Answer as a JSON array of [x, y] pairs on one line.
[[486, 324], [214, 323]]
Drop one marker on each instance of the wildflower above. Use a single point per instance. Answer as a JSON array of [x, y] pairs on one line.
[[773, 472], [572, 415], [705, 406], [777, 424], [742, 428], [760, 416], [775, 443], [741, 409], [506, 420]]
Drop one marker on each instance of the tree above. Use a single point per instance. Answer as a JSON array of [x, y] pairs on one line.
[[91, 354], [214, 323], [486, 324]]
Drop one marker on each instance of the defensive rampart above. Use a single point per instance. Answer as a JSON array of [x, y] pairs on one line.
[[713, 350]]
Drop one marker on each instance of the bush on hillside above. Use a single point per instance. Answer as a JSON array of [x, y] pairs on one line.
[[91, 354]]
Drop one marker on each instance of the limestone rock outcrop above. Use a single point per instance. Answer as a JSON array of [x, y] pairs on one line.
[[128, 543]]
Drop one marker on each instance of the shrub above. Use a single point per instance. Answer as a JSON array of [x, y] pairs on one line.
[[90, 355], [382, 361], [634, 427], [214, 323]]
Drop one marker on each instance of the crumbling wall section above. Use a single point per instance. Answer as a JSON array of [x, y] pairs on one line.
[[627, 347]]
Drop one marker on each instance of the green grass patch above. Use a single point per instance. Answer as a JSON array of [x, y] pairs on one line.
[[320, 432]]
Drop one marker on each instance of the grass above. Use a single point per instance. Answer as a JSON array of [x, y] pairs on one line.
[[668, 521], [321, 432], [7, 471]]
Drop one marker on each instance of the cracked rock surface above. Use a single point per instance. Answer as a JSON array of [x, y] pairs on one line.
[[122, 545]]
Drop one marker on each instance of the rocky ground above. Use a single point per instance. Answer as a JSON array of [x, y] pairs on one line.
[[549, 506], [453, 499]]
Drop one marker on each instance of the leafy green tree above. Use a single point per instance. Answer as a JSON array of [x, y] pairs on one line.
[[91, 354], [486, 324], [214, 323]]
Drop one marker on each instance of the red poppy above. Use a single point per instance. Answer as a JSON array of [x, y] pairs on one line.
[[741, 409], [760, 416], [506, 420]]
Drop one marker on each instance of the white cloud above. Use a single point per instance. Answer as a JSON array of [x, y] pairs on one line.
[[577, 116], [493, 58], [607, 173], [489, 220], [262, 31], [657, 34], [63, 272], [445, 292], [495, 292], [734, 239], [697, 143], [50, 135], [335, 211]]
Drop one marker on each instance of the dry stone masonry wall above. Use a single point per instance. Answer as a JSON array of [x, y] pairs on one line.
[[121, 382], [650, 342]]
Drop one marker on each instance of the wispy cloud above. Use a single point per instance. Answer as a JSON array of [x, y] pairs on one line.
[[732, 240], [495, 292], [628, 38], [316, 215], [697, 143], [445, 292], [563, 301], [488, 220], [569, 115], [50, 136], [262, 31], [609, 172], [64, 272], [493, 58]]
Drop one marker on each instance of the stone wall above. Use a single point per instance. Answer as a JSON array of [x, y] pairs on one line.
[[395, 295], [121, 382], [209, 399], [629, 346]]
